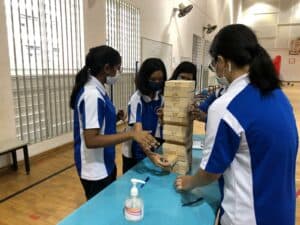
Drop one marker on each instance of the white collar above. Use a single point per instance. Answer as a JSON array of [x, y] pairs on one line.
[[243, 79], [147, 99], [98, 84]]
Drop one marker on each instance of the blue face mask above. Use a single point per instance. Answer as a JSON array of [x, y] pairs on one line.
[[156, 86]]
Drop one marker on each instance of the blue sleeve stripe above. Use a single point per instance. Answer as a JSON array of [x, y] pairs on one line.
[[205, 105], [138, 113], [82, 113], [101, 112], [225, 146], [128, 113]]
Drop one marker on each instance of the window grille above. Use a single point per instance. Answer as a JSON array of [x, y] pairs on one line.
[[45, 39], [201, 58], [123, 34]]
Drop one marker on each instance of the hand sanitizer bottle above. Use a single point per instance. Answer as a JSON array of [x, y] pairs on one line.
[[134, 206]]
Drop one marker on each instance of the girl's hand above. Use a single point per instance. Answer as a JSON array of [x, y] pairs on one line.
[[159, 160], [121, 115], [184, 183], [196, 113], [145, 139]]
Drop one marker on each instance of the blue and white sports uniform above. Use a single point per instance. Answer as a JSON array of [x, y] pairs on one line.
[[142, 109], [210, 99], [252, 140], [93, 110]]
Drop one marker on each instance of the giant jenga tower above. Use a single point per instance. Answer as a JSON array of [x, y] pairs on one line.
[[178, 126]]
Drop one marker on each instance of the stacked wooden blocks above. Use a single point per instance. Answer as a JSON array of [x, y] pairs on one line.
[[178, 126]]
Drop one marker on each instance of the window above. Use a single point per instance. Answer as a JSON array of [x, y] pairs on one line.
[[45, 39], [123, 34], [201, 59]]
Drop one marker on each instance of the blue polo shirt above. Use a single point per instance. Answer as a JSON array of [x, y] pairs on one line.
[[142, 109], [252, 140], [93, 110], [210, 99]]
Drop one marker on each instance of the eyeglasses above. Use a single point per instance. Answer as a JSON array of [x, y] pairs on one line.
[[212, 65]]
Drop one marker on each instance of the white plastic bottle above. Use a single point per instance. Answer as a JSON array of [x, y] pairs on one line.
[[134, 206]]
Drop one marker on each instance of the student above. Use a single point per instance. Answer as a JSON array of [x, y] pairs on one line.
[[200, 112], [142, 111], [185, 71], [251, 139], [95, 121]]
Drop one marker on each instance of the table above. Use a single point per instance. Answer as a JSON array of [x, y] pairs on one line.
[[11, 146], [162, 204]]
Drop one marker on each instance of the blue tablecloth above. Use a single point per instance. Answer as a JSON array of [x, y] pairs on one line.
[[162, 204]]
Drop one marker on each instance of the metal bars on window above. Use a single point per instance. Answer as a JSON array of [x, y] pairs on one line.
[[201, 58], [45, 39], [123, 34]]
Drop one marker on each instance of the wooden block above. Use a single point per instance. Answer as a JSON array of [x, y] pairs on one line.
[[176, 147], [182, 152], [179, 92], [177, 103], [182, 121], [177, 131], [184, 155], [174, 113], [181, 168], [180, 83], [171, 159]]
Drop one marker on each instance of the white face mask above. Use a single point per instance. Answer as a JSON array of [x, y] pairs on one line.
[[222, 81], [112, 80]]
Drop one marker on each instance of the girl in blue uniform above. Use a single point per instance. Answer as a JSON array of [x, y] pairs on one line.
[[185, 71], [142, 111], [251, 138], [95, 134]]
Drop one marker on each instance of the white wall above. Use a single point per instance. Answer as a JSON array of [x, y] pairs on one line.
[[7, 122], [276, 23], [157, 22]]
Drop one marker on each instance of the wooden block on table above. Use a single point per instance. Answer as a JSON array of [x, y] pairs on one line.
[[184, 155], [181, 168]]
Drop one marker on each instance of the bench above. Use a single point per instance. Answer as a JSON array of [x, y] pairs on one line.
[[11, 146]]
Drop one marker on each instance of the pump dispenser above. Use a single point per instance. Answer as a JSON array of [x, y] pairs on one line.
[[134, 206]]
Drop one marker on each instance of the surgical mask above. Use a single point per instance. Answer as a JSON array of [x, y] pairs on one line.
[[111, 80], [156, 86], [222, 81]]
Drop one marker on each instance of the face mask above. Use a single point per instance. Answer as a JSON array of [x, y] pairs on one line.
[[222, 81], [156, 86], [112, 80]]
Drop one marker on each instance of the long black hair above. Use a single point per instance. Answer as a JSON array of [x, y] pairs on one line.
[[185, 67], [148, 67], [94, 63], [239, 44]]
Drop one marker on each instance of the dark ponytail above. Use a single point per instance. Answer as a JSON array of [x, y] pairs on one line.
[[239, 44], [80, 80], [95, 61], [262, 72]]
